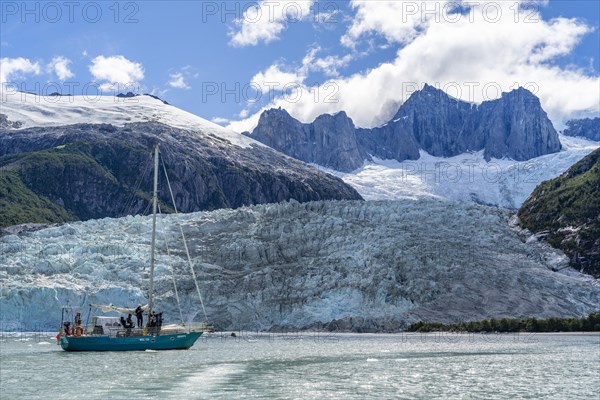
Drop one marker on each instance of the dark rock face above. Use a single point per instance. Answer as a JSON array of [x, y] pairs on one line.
[[126, 95], [334, 134], [439, 123], [96, 171], [516, 126], [513, 126], [156, 98], [391, 141], [588, 128], [329, 141], [5, 123]]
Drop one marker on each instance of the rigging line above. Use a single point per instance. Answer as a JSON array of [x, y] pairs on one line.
[[187, 251], [144, 213], [163, 225], [129, 202], [147, 207], [139, 183], [87, 320], [131, 197]]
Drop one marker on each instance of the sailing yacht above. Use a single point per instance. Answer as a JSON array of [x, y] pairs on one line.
[[108, 333]]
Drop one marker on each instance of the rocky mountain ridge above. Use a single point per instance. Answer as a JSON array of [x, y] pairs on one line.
[[329, 141], [83, 171], [588, 128], [514, 126]]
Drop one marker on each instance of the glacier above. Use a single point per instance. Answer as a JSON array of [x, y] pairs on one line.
[[465, 177], [347, 265]]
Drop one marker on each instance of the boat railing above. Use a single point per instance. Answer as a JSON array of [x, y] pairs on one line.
[[92, 330]]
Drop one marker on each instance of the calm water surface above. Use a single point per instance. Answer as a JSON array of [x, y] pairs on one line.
[[313, 366]]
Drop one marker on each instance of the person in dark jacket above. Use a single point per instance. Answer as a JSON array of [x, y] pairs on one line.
[[78, 319], [152, 319], [139, 314], [152, 325], [128, 325], [129, 322]]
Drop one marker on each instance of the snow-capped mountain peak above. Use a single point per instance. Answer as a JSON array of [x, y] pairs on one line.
[[25, 110]]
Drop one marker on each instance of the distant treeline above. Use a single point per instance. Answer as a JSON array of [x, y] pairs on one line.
[[591, 323]]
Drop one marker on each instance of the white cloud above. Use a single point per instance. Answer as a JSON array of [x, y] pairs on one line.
[[398, 21], [60, 66], [278, 75], [178, 81], [17, 68], [265, 20], [116, 70], [327, 15], [275, 79], [181, 78], [469, 51], [159, 92], [329, 65], [220, 121]]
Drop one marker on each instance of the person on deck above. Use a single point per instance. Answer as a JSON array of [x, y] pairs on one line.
[[78, 319], [152, 319], [123, 322], [139, 314], [152, 329], [128, 325]]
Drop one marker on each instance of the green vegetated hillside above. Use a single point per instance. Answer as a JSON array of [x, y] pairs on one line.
[[566, 212], [19, 204], [591, 323], [65, 183]]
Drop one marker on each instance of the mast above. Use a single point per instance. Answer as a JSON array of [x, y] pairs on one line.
[[154, 204]]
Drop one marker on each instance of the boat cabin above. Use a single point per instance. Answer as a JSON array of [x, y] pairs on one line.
[[106, 326]]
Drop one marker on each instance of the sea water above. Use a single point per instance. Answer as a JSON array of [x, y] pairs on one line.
[[313, 366]]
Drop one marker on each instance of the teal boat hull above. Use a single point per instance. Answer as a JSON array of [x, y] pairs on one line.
[[175, 341]]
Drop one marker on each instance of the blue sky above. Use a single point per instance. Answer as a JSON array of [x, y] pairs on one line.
[[226, 62]]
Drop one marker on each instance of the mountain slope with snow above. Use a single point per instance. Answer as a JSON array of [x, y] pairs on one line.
[[467, 177], [363, 266], [29, 110], [102, 167]]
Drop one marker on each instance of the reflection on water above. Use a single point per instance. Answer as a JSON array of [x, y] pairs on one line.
[[313, 365]]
